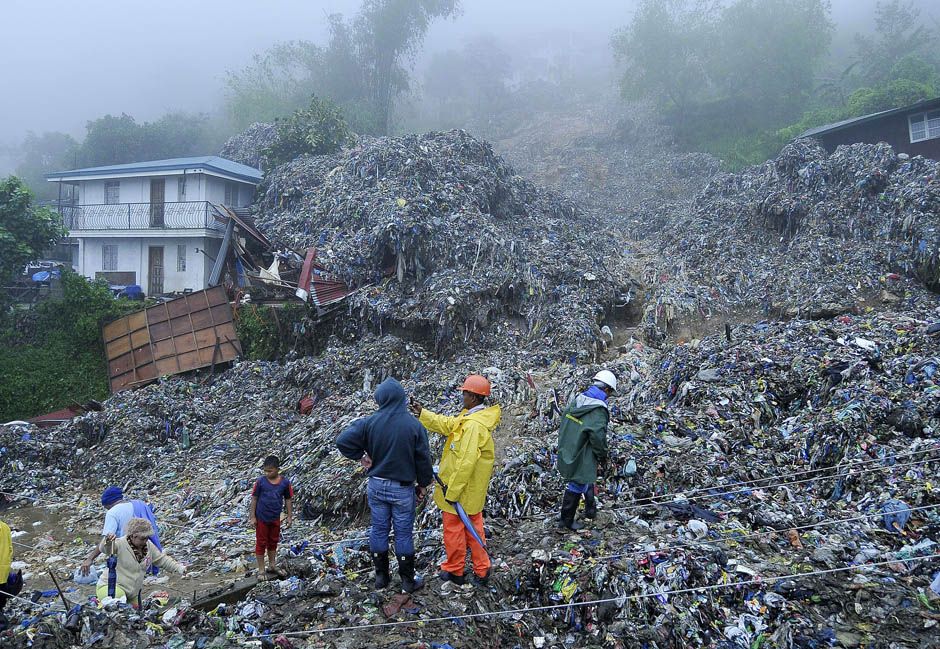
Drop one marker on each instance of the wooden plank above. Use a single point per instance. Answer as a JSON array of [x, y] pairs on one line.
[[114, 330], [185, 334], [221, 313], [206, 338], [189, 361], [146, 372], [143, 355], [121, 364], [157, 313], [123, 381], [181, 325], [168, 366], [178, 307], [216, 296], [164, 349], [185, 343], [201, 319], [140, 338], [137, 321], [118, 347], [197, 301], [160, 330]]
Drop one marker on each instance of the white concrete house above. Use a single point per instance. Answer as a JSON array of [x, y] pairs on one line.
[[158, 224]]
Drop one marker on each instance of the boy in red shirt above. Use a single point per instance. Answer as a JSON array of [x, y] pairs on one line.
[[271, 495]]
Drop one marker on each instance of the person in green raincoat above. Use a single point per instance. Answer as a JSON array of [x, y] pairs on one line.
[[582, 446]]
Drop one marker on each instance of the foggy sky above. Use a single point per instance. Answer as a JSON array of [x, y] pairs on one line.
[[67, 61]]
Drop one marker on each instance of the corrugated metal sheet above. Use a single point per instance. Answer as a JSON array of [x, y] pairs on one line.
[[317, 285], [181, 335]]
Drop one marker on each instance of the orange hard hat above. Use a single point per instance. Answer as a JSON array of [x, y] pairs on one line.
[[477, 385]]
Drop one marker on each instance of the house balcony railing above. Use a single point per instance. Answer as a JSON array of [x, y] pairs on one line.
[[188, 215]]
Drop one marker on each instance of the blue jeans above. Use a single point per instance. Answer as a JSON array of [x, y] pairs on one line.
[[391, 505], [578, 488]]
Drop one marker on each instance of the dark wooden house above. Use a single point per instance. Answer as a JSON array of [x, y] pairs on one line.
[[913, 129]]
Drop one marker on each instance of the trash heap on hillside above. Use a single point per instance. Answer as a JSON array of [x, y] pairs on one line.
[[450, 244], [740, 462], [807, 234], [614, 162], [790, 448], [248, 146]]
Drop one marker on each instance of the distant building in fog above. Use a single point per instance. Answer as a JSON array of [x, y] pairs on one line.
[[913, 129]]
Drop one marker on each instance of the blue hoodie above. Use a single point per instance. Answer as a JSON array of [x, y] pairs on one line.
[[393, 438]]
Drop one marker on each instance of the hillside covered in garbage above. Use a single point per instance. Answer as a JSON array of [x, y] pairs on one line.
[[771, 485]]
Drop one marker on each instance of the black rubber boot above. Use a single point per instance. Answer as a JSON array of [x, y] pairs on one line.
[[380, 561], [460, 580], [406, 570], [590, 503], [569, 507]]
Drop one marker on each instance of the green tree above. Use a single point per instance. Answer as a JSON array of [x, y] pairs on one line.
[[900, 32], [663, 52], [724, 73], [25, 231], [43, 154], [317, 129], [468, 87], [276, 83], [52, 355], [111, 140], [388, 34]]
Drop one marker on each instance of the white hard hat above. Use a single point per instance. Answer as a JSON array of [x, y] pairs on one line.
[[607, 378]]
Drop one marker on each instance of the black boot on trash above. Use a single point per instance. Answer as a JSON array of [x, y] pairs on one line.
[[458, 580], [380, 561], [590, 503], [406, 570], [569, 507]]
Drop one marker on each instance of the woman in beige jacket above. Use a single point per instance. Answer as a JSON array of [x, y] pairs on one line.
[[135, 554]]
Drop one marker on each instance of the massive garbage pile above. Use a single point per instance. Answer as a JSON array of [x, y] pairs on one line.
[[771, 485], [451, 244], [804, 234], [613, 161], [248, 147]]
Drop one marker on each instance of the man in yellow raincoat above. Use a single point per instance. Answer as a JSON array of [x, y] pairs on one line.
[[10, 583], [466, 467]]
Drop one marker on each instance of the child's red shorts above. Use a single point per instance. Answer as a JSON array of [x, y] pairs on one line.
[[267, 536]]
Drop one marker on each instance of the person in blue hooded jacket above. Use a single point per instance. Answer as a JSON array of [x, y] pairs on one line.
[[394, 447]]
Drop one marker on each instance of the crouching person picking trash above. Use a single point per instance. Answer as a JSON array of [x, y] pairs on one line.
[[129, 558], [465, 471], [394, 449]]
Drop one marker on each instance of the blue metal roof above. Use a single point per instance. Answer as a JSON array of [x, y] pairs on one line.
[[210, 163]]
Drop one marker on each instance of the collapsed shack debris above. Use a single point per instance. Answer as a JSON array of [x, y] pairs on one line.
[[180, 335], [457, 248], [806, 233]]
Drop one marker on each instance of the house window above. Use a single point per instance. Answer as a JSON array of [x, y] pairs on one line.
[[925, 126], [231, 194], [181, 259], [181, 188], [112, 192], [109, 257]]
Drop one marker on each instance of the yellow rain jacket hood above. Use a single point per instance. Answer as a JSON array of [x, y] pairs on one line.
[[467, 462]]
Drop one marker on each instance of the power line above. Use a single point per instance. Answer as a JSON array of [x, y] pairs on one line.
[[763, 581], [701, 542]]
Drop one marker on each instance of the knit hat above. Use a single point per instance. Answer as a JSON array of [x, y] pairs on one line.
[[111, 495]]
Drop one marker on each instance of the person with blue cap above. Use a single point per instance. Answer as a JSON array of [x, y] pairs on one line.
[[119, 512]]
